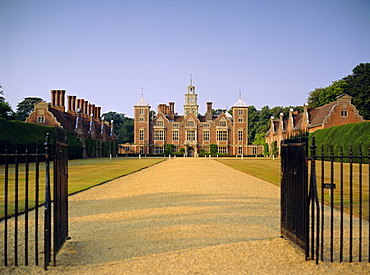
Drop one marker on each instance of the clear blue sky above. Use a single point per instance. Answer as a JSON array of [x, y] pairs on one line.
[[275, 51]]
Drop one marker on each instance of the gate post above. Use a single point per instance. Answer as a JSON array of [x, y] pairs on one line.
[[314, 200], [47, 217]]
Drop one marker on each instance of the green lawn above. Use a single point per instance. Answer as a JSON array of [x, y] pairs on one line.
[[263, 168], [269, 170], [83, 173]]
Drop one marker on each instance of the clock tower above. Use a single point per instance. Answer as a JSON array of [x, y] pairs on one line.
[[191, 106]]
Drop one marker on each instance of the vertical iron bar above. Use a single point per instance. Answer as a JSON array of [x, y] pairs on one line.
[[332, 204], [368, 207], [26, 209], [360, 205], [37, 204], [16, 208], [6, 206], [47, 222], [341, 205], [350, 203], [322, 199], [312, 196]]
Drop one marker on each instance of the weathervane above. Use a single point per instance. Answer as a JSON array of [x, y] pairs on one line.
[[191, 79]]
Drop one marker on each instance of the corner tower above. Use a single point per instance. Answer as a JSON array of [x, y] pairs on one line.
[[240, 127], [191, 106], [141, 126]]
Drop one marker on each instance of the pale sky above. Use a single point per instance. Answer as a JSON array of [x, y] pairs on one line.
[[274, 51]]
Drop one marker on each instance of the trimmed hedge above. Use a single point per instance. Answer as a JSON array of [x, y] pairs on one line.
[[344, 136], [21, 133]]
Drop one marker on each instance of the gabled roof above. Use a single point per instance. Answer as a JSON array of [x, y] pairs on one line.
[[317, 115]]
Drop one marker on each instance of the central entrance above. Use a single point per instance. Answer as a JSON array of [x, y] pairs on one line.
[[190, 152]]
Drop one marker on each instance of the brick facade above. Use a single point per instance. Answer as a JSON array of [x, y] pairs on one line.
[[81, 117], [339, 112], [191, 131]]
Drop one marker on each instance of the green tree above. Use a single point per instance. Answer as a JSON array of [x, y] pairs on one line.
[[213, 149], [359, 88], [168, 149], [253, 117], [218, 111], [123, 126], [322, 96], [274, 149], [5, 109], [356, 85], [259, 139], [25, 107]]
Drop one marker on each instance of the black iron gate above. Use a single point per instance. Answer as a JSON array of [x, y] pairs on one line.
[[330, 221], [294, 190], [60, 190], [25, 174]]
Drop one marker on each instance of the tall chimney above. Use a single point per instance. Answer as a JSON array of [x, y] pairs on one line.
[[86, 108], [74, 103], [62, 94], [92, 110], [69, 104], [209, 111], [98, 112], [52, 92], [78, 104], [172, 111], [82, 106]]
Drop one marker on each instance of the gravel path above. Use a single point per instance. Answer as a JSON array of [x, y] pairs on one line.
[[182, 216]]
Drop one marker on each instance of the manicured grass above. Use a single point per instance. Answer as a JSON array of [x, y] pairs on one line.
[[83, 174], [89, 172], [269, 170], [263, 168]]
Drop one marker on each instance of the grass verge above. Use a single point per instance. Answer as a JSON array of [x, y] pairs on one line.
[[270, 170], [83, 174]]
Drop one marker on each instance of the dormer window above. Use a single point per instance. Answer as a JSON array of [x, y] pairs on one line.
[[159, 122]]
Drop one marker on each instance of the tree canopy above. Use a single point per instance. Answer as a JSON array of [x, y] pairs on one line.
[[123, 126], [356, 85], [5, 108], [259, 120]]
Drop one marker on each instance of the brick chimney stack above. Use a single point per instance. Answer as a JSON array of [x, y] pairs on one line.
[[82, 106], [57, 99], [172, 111], [71, 104], [98, 110], [209, 111], [86, 108]]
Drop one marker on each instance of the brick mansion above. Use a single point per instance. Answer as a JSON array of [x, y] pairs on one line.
[[192, 131]]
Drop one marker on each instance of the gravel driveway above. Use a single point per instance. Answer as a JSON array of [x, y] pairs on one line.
[[182, 216]]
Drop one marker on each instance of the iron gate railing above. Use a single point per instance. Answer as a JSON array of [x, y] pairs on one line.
[[333, 217], [60, 191], [24, 177], [342, 178], [294, 207]]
